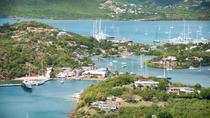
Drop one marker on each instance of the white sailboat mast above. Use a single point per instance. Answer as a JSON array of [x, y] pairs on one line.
[[184, 32]]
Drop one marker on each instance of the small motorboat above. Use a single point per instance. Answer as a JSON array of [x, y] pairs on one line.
[[123, 63], [156, 41], [114, 61], [192, 68], [123, 66], [61, 81], [169, 69]]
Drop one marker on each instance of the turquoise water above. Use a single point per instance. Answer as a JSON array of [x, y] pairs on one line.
[[137, 31], [51, 100], [184, 76]]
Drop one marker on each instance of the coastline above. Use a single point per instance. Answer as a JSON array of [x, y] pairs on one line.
[[105, 19]]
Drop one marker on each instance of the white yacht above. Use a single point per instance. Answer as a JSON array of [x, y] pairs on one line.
[[27, 84]]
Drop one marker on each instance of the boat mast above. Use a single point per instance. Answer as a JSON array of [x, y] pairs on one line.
[[184, 31], [141, 64], [188, 31]]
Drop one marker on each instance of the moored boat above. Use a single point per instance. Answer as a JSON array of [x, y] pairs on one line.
[[169, 69], [192, 68], [27, 84]]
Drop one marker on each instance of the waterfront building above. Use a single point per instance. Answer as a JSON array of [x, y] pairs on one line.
[[101, 74], [66, 72]]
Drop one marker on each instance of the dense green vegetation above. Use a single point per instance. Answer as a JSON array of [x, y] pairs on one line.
[[59, 9], [153, 101], [36, 45], [186, 55], [77, 9]]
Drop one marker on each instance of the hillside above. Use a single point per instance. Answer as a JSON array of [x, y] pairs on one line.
[[36, 45], [119, 97], [111, 9]]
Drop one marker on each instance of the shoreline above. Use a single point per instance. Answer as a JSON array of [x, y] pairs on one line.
[[105, 19]]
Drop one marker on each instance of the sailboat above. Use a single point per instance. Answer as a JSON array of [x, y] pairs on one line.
[[98, 33], [141, 64], [164, 72], [184, 37], [27, 83]]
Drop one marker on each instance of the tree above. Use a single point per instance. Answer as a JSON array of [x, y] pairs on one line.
[[205, 93], [165, 115], [52, 74], [197, 86]]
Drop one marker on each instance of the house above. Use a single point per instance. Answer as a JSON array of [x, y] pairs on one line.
[[112, 98], [66, 72], [95, 74], [97, 103], [62, 34], [108, 107], [104, 106], [170, 58], [187, 90], [141, 83]]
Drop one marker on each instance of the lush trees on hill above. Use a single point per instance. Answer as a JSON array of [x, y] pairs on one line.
[[173, 105], [39, 47]]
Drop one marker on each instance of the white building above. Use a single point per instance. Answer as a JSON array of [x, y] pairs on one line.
[[140, 83], [104, 106], [62, 33], [66, 72], [95, 74], [170, 58], [180, 89]]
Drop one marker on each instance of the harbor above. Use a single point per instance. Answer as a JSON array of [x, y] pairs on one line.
[[52, 99], [134, 65], [58, 96]]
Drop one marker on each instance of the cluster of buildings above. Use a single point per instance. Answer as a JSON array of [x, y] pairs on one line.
[[168, 62], [85, 72], [66, 73], [177, 90]]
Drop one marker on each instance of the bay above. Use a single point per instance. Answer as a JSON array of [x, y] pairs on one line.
[[51, 100], [137, 31]]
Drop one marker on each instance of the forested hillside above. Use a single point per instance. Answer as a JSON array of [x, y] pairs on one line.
[[36, 45], [111, 9]]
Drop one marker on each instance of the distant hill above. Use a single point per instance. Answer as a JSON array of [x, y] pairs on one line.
[[111, 9]]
